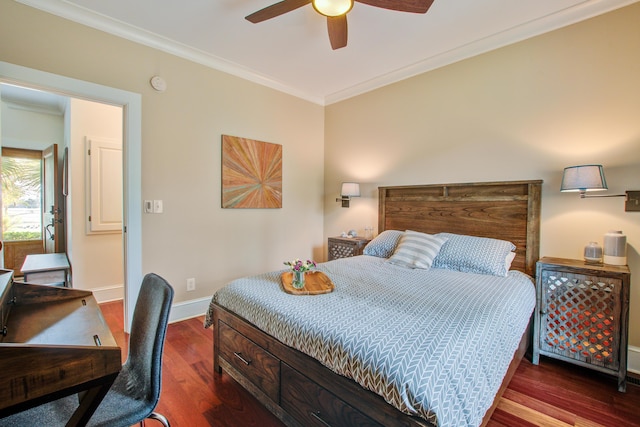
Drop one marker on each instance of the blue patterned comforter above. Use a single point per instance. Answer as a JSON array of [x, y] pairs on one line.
[[433, 343]]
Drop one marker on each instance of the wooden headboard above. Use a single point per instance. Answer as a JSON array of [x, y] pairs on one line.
[[501, 210]]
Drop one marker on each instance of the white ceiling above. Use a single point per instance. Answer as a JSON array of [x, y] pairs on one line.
[[33, 99], [291, 53]]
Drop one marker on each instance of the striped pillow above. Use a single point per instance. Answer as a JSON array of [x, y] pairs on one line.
[[416, 250]]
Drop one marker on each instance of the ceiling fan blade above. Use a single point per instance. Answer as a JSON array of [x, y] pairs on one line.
[[414, 6], [337, 26], [276, 9]]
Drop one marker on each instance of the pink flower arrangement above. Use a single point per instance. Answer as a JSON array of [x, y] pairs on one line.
[[298, 265]]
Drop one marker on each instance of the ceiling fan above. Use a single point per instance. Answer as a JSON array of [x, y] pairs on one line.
[[336, 13]]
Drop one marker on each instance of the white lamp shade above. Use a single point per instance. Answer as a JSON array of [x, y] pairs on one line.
[[583, 178], [350, 189]]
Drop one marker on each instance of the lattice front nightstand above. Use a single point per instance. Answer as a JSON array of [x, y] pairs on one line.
[[343, 247], [582, 315]]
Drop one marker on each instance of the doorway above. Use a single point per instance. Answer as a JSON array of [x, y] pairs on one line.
[[131, 104], [33, 127], [27, 186], [85, 219]]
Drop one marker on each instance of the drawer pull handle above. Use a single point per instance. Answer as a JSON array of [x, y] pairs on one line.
[[239, 356], [317, 416]]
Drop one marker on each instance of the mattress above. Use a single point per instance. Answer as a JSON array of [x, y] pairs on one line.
[[433, 343]]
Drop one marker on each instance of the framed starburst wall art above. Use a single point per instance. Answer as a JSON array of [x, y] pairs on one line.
[[251, 173]]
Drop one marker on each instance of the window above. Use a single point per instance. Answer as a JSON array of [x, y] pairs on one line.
[[21, 194]]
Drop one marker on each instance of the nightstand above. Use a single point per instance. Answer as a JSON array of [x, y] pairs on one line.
[[343, 247], [582, 315]]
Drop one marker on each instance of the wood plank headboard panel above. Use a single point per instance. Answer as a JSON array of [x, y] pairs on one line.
[[502, 210]]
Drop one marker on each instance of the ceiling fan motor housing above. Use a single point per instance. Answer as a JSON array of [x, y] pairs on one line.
[[332, 7], [336, 13]]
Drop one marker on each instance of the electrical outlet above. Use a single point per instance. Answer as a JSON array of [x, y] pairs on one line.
[[633, 201], [191, 284]]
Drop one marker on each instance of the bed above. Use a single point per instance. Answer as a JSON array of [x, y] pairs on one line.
[[395, 345]]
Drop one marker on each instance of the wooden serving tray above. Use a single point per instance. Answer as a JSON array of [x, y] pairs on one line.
[[315, 283]]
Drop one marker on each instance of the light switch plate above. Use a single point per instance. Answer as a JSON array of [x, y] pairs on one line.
[[157, 206], [148, 206]]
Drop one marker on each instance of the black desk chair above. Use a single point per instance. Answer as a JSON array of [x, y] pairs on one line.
[[135, 393]]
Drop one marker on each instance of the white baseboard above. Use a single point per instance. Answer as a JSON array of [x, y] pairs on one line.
[[188, 309], [179, 311], [633, 359], [108, 293]]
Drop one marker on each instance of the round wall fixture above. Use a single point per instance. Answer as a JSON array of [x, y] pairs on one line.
[[158, 83]]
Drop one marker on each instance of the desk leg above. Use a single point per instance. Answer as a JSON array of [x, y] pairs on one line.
[[89, 402]]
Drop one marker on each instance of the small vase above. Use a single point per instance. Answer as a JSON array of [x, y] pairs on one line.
[[298, 279], [593, 253]]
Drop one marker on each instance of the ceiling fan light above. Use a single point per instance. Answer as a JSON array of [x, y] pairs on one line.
[[332, 7]]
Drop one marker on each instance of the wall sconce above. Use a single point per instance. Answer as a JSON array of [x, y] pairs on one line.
[[349, 190], [585, 178]]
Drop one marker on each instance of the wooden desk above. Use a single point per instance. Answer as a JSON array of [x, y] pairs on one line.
[[46, 269], [54, 342]]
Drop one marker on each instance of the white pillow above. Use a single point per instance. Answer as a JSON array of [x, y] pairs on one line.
[[416, 250], [509, 259]]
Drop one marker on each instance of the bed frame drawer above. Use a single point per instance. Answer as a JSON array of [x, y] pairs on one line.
[[251, 360], [313, 405]]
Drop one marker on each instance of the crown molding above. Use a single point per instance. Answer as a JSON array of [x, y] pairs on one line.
[[585, 10], [569, 16], [129, 32]]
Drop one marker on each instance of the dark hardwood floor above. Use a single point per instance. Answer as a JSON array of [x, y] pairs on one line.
[[550, 394]]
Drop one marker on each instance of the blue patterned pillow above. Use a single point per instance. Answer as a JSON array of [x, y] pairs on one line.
[[472, 254], [384, 244], [416, 250]]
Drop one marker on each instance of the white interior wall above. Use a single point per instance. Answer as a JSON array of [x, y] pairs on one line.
[[23, 127], [97, 260]]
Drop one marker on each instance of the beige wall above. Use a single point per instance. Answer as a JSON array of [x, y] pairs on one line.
[[521, 112], [181, 154], [96, 259]]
